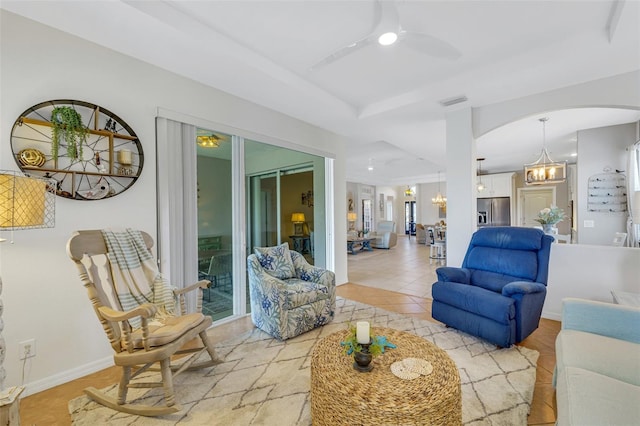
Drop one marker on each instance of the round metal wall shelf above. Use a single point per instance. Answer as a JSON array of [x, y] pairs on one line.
[[111, 160]]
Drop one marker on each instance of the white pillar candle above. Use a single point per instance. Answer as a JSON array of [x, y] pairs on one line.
[[124, 157], [362, 332]]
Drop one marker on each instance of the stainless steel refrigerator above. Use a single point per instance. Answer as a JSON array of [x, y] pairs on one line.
[[494, 211]]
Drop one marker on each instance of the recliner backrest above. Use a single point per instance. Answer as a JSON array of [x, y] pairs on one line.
[[499, 255]]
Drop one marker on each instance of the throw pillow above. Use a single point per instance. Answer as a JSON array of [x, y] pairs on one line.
[[276, 261]]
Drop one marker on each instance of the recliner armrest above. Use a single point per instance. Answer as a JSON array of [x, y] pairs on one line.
[[522, 287], [451, 274]]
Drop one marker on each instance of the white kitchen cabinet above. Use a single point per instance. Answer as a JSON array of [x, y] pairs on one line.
[[497, 185]]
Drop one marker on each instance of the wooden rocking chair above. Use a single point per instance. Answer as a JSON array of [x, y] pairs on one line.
[[136, 350]]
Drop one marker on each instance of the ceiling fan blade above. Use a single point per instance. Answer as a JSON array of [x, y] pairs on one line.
[[429, 45], [380, 18], [342, 52]]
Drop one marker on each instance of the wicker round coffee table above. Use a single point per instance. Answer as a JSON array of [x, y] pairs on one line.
[[342, 395]]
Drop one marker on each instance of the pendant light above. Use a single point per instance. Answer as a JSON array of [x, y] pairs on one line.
[[439, 200], [545, 170], [408, 192], [479, 185]]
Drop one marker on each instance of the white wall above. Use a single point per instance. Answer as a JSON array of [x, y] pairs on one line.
[[429, 213], [390, 195], [589, 272], [599, 149], [43, 297]]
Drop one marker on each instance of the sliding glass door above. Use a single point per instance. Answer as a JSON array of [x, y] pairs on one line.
[[215, 217], [282, 206], [219, 196]]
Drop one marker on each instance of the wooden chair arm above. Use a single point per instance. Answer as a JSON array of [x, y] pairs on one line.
[[180, 294], [146, 310], [200, 284]]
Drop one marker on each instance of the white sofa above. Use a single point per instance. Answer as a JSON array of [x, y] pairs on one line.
[[597, 375]]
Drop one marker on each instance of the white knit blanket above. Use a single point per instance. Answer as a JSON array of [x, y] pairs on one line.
[[135, 274]]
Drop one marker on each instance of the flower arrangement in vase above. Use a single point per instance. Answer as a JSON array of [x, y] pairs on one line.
[[66, 123], [549, 217]]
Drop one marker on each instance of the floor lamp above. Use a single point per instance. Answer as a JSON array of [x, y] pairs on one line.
[[26, 202]]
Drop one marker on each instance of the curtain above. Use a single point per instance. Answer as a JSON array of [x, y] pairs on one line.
[[633, 195], [177, 204]]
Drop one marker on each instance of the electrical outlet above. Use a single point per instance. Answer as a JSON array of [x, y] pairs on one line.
[[27, 349]]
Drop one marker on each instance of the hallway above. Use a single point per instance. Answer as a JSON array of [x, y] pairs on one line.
[[405, 268]]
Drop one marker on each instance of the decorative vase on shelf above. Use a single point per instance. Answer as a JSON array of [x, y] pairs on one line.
[[549, 228]]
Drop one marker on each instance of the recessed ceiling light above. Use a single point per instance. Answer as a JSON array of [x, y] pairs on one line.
[[387, 39], [574, 154]]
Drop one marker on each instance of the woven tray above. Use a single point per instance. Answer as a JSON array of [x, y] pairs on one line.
[[342, 395]]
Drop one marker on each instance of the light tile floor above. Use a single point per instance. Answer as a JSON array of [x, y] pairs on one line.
[[405, 268]]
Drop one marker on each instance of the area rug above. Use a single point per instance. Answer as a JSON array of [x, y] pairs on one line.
[[266, 382]]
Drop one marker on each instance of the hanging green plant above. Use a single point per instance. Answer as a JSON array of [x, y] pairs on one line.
[[66, 123]]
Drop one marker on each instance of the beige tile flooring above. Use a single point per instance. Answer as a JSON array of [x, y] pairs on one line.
[[405, 268], [398, 280]]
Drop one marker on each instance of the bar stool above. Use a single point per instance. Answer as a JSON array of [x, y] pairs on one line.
[[438, 248]]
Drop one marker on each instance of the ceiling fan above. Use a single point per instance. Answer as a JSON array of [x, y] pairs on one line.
[[387, 30]]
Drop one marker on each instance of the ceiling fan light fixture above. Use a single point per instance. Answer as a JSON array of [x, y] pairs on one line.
[[388, 38], [206, 141]]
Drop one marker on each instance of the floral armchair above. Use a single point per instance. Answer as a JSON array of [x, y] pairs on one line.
[[288, 296]]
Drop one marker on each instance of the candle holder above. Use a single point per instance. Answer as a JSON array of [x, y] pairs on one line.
[[362, 359], [125, 160]]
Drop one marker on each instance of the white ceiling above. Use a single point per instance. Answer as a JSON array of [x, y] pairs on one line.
[[386, 99]]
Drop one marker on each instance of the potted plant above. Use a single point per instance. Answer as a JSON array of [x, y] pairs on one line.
[[67, 124], [549, 217]]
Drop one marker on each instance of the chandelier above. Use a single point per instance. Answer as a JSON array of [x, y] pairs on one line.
[[545, 170], [439, 200]]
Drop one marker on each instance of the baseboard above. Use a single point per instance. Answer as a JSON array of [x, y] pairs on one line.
[[67, 376], [552, 316]]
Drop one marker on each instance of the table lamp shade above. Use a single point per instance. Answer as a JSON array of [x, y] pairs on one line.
[[26, 202], [297, 217]]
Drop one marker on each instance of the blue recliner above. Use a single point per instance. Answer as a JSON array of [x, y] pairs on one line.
[[498, 293]]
